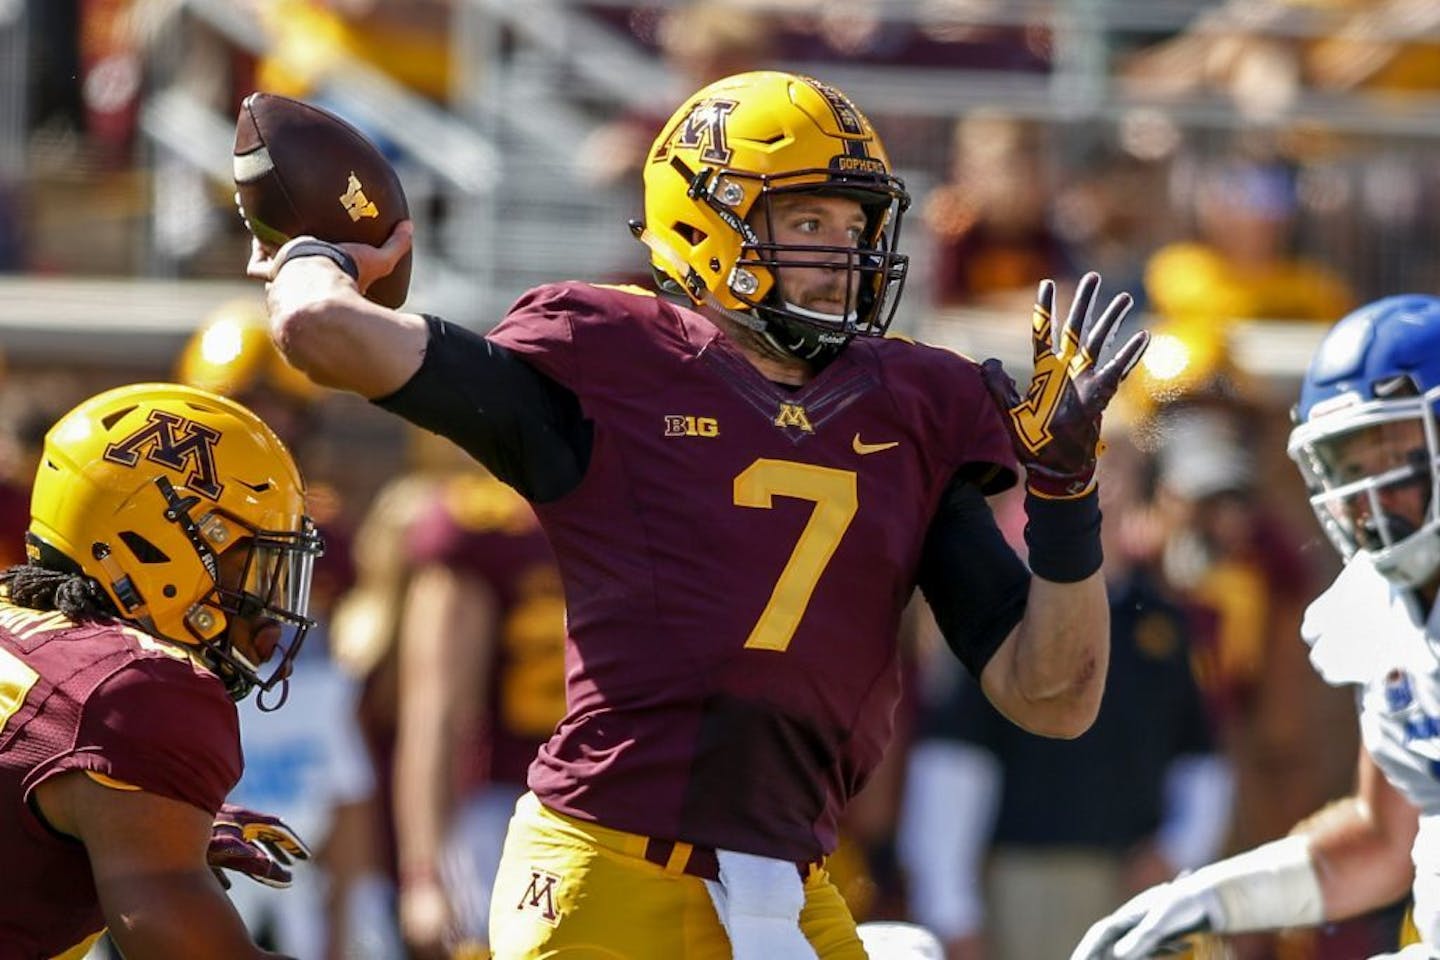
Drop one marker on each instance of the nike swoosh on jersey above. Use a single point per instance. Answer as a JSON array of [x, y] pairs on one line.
[[863, 448]]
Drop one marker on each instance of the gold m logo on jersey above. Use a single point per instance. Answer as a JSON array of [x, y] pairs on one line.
[[793, 415], [685, 426], [356, 203], [540, 895], [176, 443]]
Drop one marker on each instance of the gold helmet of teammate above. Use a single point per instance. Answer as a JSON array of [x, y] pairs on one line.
[[712, 174], [188, 511]]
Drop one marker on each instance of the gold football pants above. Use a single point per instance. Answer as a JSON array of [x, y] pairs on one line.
[[571, 890]]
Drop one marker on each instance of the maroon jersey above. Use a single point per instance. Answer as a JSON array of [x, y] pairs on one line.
[[112, 701], [735, 561], [480, 527]]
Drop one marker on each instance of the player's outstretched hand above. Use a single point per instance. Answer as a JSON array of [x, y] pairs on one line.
[[256, 844], [1149, 921], [371, 263], [1056, 426]]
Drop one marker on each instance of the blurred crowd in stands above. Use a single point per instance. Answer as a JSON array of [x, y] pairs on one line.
[[1220, 196]]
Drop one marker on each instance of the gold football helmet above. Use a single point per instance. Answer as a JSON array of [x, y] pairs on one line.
[[231, 354], [715, 168], [147, 488]]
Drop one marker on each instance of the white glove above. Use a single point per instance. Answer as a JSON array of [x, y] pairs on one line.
[[1274, 885], [1165, 912]]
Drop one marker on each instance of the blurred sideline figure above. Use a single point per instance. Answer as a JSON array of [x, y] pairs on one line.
[[366, 628], [364, 633], [991, 219], [1367, 444], [1077, 826], [167, 578], [1242, 48], [310, 766], [482, 686], [314, 40], [700, 41], [1213, 527], [1240, 262], [22, 437]]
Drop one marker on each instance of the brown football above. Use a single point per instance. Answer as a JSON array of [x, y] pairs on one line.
[[302, 170]]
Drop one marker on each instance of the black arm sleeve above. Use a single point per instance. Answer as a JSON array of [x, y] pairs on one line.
[[974, 582], [524, 427]]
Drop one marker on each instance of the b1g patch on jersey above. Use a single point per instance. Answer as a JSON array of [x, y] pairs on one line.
[[678, 425], [541, 895]]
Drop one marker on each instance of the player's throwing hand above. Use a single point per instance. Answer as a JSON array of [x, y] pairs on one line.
[[1056, 426]]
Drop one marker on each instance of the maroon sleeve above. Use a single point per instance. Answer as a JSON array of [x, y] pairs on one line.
[[539, 328], [588, 338], [158, 725], [991, 456], [955, 396]]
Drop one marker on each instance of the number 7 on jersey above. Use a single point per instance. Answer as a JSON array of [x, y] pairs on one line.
[[834, 493]]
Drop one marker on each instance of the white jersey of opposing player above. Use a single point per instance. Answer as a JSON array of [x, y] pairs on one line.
[[1366, 632]]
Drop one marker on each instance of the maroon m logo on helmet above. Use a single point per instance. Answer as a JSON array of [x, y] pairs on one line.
[[704, 130], [176, 443]]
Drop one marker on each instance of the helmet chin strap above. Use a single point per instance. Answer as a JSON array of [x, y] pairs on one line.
[[811, 344], [779, 335], [799, 346], [808, 314]]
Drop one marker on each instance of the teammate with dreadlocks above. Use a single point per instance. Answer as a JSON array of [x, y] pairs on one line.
[[169, 561]]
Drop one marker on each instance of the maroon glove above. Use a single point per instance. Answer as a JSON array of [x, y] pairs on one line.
[[256, 844], [1056, 427]]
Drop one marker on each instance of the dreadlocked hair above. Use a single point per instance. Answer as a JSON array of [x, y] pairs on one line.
[[77, 596]]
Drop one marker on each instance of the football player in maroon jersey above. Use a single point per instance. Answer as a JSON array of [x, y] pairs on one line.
[[482, 686], [743, 482], [168, 561]]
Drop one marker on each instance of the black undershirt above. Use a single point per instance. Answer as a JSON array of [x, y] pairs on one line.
[[528, 430]]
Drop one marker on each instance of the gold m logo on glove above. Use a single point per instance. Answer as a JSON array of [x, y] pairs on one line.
[[1056, 427], [1052, 371]]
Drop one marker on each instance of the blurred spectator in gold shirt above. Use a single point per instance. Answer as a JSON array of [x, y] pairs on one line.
[[1240, 263]]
